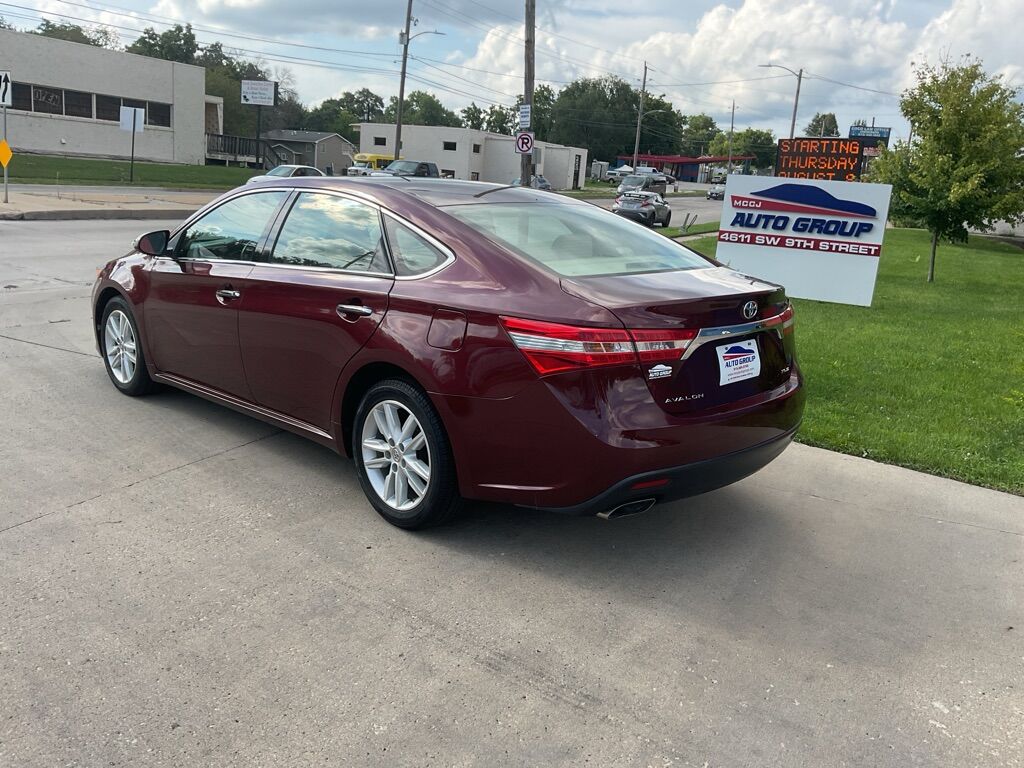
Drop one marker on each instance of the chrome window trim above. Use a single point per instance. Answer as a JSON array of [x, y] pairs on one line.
[[356, 196], [444, 249], [718, 333]]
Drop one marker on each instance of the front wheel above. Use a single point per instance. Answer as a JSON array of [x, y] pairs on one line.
[[403, 457], [121, 347]]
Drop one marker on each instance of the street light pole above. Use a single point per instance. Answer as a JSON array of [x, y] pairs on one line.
[[405, 38], [401, 83], [640, 117], [796, 101]]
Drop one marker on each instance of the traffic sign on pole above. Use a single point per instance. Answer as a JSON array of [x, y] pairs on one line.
[[524, 143], [525, 114], [6, 100], [6, 89]]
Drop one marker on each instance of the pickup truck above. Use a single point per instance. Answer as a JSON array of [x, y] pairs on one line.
[[410, 168]]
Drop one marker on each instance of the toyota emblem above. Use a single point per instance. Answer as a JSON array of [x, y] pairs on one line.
[[750, 310]]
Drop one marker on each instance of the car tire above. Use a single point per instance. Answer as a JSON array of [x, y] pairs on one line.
[[668, 219], [411, 486], [121, 349]]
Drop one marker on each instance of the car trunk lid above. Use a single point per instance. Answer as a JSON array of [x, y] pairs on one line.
[[735, 355]]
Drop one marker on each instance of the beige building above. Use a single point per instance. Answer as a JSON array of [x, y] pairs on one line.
[[466, 153], [68, 98]]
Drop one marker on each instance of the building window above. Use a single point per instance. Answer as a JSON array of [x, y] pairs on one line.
[[158, 114], [108, 108], [21, 97], [476, 149], [447, 173], [474, 176], [77, 104], [133, 103], [380, 141], [49, 100], [449, 146]]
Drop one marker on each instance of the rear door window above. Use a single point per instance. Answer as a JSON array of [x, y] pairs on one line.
[[331, 232]]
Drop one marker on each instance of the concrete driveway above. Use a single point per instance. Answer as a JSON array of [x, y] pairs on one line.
[[185, 586]]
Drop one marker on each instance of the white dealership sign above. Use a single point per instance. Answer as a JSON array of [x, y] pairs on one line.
[[258, 92], [820, 239]]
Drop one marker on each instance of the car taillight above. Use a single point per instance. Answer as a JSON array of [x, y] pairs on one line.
[[654, 346], [645, 203], [618, 199], [786, 319], [553, 347]]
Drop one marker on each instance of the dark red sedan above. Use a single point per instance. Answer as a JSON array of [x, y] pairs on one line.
[[462, 340]]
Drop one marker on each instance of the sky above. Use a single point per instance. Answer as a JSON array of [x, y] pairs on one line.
[[857, 55]]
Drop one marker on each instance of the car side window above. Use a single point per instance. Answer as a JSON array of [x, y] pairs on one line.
[[334, 232], [412, 253], [232, 230]]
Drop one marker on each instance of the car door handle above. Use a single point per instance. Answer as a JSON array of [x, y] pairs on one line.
[[228, 295], [354, 309]]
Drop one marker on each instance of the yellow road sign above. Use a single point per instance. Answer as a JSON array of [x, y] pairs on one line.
[[5, 153]]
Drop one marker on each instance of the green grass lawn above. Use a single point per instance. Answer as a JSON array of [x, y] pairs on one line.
[[44, 169], [929, 377]]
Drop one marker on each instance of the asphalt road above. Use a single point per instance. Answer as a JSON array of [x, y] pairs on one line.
[[185, 586]]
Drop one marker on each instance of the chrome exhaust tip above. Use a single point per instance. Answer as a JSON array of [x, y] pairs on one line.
[[629, 508]]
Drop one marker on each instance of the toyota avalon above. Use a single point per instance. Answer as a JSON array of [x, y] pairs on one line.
[[461, 340]]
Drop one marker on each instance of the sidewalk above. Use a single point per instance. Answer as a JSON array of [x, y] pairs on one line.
[[66, 203]]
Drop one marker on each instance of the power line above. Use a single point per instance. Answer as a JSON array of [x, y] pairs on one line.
[[850, 85]]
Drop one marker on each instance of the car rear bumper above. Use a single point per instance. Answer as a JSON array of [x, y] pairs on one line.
[[675, 483], [635, 215], [581, 440]]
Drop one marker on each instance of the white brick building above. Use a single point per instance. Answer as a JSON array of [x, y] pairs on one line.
[[68, 97], [474, 155]]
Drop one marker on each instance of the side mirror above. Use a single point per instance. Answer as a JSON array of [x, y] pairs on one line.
[[153, 243]]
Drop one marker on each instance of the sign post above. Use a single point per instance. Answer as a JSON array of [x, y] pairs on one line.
[[6, 88], [132, 119], [261, 93], [524, 143]]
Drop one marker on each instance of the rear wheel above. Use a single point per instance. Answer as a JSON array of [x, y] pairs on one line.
[[668, 219], [403, 456], [122, 349]]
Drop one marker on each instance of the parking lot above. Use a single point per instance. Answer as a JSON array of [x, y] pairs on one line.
[[184, 585]]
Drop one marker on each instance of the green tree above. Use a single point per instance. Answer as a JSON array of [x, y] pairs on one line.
[[331, 115], [367, 105], [99, 36], [697, 133], [822, 124], [473, 116], [422, 108], [4, 24], [965, 167], [499, 119], [596, 113], [175, 44], [750, 141]]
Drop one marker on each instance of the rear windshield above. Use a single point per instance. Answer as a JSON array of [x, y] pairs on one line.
[[633, 181], [577, 240], [403, 166]]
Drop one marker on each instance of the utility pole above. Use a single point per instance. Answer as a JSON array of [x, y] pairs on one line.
[[732, 126], [640, 117], [793, 123], [401, 84], [526, 161]]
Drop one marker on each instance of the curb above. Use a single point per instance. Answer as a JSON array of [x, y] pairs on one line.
[[98, 215]]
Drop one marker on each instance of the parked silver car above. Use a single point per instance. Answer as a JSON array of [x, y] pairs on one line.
[[286, 172], [643, 182], [648, 208]]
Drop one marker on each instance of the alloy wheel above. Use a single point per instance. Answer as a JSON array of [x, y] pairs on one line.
[[120, 346], [396, 455]]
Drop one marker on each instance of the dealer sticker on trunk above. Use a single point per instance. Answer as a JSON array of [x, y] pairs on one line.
[[737, 361]]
